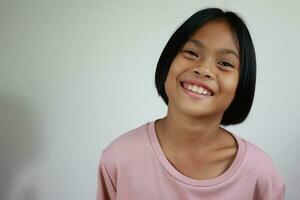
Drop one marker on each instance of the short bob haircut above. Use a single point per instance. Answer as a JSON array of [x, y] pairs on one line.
[[240, 107]]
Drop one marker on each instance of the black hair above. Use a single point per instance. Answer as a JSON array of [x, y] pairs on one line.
[[240, 106]]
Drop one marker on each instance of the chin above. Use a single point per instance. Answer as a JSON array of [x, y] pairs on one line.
[[198, 111]]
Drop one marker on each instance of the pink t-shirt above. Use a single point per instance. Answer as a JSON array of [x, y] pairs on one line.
[[134, 167]]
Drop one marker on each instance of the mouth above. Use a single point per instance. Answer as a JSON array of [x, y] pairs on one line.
[[196, 90]]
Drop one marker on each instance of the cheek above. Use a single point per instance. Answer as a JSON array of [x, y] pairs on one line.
[[230, 85], [170, 82]]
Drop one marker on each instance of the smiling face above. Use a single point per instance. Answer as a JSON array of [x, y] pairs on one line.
[[203, 76]]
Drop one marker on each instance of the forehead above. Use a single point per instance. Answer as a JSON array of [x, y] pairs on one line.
[[216, 35]]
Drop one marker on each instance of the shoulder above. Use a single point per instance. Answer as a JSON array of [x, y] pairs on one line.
[[260, 159], [269, 181], [124, 146]]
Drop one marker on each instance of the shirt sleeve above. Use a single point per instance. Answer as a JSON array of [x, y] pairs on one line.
[[105, 187], [270, 184], [281, 194]]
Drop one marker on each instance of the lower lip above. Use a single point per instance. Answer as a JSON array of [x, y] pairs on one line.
[[194, 95]]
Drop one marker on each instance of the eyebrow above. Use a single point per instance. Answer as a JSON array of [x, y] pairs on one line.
[[224, 51]]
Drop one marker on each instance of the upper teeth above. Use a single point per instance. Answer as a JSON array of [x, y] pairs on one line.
[[197, 89]]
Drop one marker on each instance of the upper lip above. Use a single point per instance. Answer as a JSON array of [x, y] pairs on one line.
[[198, 83]]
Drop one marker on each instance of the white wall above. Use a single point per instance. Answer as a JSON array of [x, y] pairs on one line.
[[74, 75]]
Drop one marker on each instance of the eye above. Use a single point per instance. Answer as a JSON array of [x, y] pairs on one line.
[[190, 53], [225, 64]]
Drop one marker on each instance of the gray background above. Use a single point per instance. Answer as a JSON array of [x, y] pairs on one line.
[[74, 75]]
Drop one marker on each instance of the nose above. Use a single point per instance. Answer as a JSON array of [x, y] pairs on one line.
[[203, 71]]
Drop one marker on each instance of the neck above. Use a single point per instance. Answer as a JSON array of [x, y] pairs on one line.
[[180, 132]]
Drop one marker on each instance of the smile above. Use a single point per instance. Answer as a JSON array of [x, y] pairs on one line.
[[196, 89]]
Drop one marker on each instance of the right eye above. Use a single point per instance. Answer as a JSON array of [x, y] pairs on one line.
[[190, 53]]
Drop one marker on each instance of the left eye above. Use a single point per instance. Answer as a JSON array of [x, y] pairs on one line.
[[225, 64]]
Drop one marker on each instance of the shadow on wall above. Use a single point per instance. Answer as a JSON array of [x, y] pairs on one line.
[[18, 146]]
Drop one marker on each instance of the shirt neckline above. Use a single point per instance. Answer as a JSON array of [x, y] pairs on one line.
[[187, 180]]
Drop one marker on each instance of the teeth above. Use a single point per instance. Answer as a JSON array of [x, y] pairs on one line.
[[197, 89], [200, 90]]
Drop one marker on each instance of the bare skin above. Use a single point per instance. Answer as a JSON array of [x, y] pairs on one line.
[[205, 162], [190, 134]]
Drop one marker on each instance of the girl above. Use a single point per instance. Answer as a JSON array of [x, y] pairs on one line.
[[206, 75]]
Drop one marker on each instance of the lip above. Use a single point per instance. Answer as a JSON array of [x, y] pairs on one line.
[[198, 83]]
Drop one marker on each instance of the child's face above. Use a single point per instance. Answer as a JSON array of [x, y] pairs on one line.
[[214, 62]]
